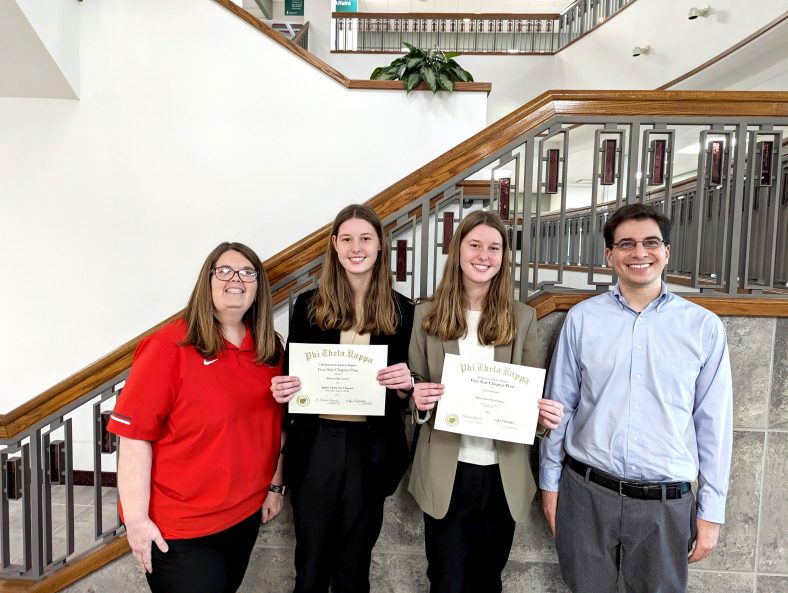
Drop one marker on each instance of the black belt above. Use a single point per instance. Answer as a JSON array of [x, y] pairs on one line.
[[643, 490]]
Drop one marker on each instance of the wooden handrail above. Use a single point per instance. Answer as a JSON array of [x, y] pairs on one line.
[[72, 572], [732, 49], [429, 178], [301, 32], [330, 71]]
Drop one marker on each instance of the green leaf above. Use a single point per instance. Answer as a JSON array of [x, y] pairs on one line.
[[445, 82], [375, 73], [412, 81], [401, 71], [429, 77], [410, 47], [460, 74], [414, 63], [451, 54]]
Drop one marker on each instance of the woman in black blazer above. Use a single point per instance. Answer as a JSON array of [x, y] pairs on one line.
[[340, 468]]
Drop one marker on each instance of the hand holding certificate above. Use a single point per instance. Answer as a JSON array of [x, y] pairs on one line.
[[490, 399], [338, 379]]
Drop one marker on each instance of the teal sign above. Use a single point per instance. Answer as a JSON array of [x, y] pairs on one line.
[[294, 7], [346, 6]]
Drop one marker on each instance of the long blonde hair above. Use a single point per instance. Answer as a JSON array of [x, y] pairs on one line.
[[333, 306], [446, 317], [203, 330]]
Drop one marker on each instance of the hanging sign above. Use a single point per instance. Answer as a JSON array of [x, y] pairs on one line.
[[346, 6], [294, 7]]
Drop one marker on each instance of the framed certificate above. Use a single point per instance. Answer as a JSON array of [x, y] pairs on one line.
[[490, 399], [338, 379]]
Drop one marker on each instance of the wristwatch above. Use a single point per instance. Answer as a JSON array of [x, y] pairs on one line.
[[279, 489]]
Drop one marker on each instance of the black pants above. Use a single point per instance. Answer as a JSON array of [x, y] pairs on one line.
[[336, 513], [211, 564], [468, 549]]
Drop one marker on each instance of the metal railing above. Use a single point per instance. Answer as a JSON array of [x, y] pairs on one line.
[[554, 186], [730, 221], [39, 527], [470, 33]]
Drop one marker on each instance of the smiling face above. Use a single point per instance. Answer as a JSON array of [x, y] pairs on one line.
[[639, 269], [357, 246], [232, 295], [481, 251]]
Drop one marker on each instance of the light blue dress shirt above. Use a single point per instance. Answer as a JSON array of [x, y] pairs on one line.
[[647, 396]]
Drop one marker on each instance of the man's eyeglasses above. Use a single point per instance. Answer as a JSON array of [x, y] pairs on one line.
[[225, 273], [629, 244]]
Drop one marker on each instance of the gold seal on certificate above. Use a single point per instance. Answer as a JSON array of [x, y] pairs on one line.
[[338, 379], [484, 398]]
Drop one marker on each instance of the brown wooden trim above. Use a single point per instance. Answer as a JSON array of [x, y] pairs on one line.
[[277, 37], [399, 85], [75, 386], [450, 16], [551, 302], [301, 32], [607, 20], [425, 180], [726, 53], [71, 572], [330, 71]]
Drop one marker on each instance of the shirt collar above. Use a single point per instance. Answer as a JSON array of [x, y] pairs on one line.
[[246, 344], [656, 304]]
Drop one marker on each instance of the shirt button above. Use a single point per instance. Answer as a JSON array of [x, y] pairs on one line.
[[637, 407], [634, 438], [637, 376], [634, 466], [640, 347]]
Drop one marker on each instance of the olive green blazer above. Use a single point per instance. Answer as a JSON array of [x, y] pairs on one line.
[[435, 462]]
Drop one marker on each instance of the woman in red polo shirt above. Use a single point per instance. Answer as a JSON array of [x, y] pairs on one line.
[[200, 432]]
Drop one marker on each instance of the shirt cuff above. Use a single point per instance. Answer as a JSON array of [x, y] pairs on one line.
[[549, 478], [711, 508]]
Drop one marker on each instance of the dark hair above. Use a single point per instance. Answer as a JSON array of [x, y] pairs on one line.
[[333, 306], [203, 331], [446, 317], [636, 212]]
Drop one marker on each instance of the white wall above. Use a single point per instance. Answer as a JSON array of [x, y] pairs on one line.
[[191, 128], [600, 60], [56, 22], [39, 45]]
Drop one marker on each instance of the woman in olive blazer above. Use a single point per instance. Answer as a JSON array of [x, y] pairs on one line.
[[435, 464], [471, 490]]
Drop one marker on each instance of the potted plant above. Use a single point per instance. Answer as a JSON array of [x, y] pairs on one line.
[[434, 67]]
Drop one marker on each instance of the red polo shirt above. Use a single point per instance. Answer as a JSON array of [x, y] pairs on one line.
[[213, 425]]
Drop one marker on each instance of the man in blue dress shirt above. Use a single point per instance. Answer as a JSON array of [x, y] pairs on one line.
[[645, 380]]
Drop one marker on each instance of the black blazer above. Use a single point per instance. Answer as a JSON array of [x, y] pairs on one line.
[[386, 450]]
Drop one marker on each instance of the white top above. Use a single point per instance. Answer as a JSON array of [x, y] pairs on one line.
[[476, 450]]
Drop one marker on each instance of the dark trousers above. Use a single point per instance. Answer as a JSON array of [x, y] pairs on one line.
[[211, 564], [468, 549], [606, 542], [336, 514]]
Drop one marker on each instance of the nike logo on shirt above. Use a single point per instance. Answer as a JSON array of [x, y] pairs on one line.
[[207, 362]]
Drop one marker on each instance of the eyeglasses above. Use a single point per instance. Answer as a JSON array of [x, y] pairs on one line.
[[649, 243], [225, 273]]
